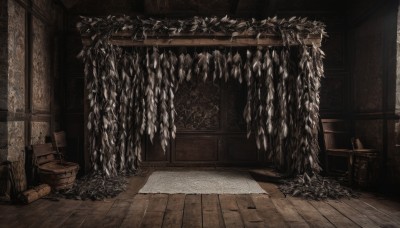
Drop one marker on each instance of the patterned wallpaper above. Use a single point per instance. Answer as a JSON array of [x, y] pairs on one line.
[[41, 66], [16, 57], [39, 131]]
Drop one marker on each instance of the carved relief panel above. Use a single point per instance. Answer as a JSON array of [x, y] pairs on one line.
[[198, 105], [235, 103]]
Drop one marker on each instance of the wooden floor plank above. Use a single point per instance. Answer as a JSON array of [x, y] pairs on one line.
[[155, 211], [309, 213], [286, 209], [65, 207], [390, 208], [38, 213], [135, 183], [176, 202], [51, 221], [354, 215], [95, 210], [152, 219], [267, 211], [248, 211], [117, 213], [378, 217], [212, 214], [158, 202], [174, 212], [96, 207], [136, 211], [230, 211], [334, 216], [192, 216], [76, 219], [130, 209]]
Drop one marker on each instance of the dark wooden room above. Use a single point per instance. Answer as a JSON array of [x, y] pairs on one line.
[[190, 113]]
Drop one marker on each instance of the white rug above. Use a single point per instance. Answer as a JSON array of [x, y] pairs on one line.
[[201, 182]]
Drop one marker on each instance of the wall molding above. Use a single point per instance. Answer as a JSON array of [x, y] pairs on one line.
[[376, 115]]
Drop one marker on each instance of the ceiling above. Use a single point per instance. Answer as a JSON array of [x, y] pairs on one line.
[[182, 8]]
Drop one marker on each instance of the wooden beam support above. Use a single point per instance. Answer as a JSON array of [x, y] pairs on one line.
[[203, 41]]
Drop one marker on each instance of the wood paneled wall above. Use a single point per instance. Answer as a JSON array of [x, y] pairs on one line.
[[372, 51]]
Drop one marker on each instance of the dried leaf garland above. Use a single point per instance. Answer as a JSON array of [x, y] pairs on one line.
[[292, 30], [236, 70], [131, 93]]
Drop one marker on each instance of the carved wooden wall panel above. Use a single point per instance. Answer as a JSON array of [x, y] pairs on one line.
[[154, 151], [41, 66], [332, 93], [241, 149], [198, 105], [334, 48], [74, 102], [370, 133], [368, 67], [235, 102], [196, 149]]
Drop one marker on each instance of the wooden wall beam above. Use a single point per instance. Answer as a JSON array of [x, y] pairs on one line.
[[204, 41]]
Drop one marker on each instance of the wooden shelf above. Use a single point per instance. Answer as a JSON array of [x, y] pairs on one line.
[[202, 40]]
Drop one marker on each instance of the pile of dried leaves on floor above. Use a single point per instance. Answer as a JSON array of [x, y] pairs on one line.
[[315, 187], [96, 186]]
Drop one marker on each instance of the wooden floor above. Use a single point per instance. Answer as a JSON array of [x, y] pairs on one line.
[[130, 209]]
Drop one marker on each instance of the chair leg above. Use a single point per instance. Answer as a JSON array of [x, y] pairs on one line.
[[350, 169]]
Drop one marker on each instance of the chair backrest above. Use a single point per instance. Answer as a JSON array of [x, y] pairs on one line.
[[60, 139], [336, 134], [43, 153]]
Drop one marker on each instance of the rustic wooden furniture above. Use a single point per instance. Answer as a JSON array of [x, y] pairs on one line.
[[60, 143], [365, 167], [337, 144], [52, 171], [361, 162]]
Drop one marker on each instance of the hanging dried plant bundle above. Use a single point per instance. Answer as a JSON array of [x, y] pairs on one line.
[[292, 30], [236, 70], [131, 92]]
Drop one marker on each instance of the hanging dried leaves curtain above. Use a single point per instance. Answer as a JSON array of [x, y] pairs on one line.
[[131, 90]]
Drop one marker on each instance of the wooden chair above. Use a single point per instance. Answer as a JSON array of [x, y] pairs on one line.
[[58, 174], [366, 164], [337, 144], [60, 143]]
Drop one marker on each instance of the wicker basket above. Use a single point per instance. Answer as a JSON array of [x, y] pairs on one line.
[[58, 175]]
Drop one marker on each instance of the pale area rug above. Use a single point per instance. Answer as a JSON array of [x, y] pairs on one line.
[[201, 182]]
